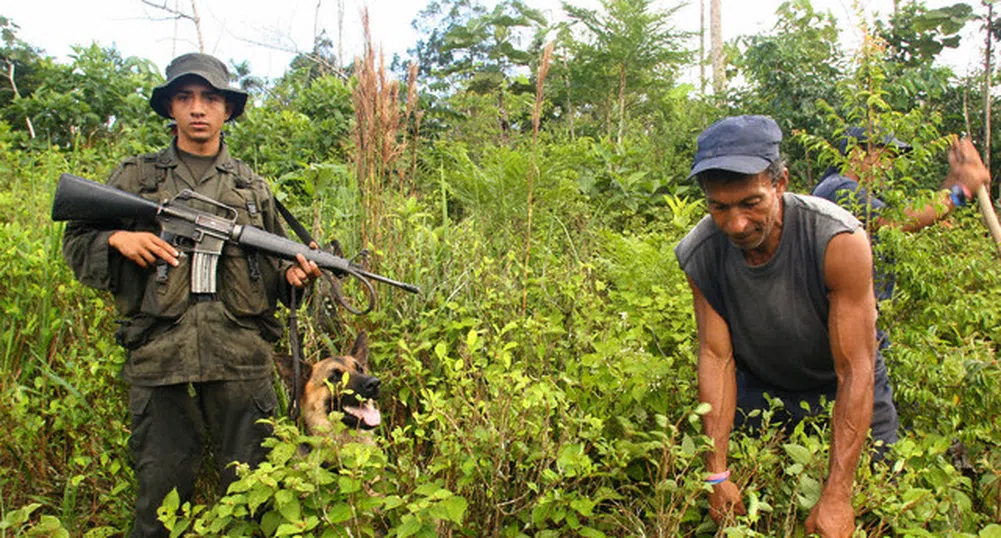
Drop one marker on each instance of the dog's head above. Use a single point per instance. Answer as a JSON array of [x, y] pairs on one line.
[[339, 383]]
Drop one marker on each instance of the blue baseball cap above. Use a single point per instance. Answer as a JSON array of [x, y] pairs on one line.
[[861, 137], [742, 144]]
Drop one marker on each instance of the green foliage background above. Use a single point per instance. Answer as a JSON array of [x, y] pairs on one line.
[[550, 394]]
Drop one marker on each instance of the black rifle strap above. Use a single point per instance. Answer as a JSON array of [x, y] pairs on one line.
[[293, 320], [296, 352], [294, 223], [306, 238]]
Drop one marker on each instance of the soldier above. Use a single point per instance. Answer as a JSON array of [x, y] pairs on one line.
[[198, 364]]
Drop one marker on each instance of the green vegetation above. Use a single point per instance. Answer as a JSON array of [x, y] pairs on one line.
[[543, 384]]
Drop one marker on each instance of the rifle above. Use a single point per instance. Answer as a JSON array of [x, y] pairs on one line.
[[77, 198]]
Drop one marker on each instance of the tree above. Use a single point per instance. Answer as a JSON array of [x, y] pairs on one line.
[[716, 47], [487, 49], [240, 74], [99, 94], [435, 22], [18, 61], [628, 52], [916, 35], [912, 38], [175, 14], [789, 69]]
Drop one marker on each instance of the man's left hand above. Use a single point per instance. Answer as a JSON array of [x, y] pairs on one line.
[[832, 517], [302, 274]]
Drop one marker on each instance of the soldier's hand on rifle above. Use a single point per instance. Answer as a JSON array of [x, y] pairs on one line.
[[302, 274], [143, 248]]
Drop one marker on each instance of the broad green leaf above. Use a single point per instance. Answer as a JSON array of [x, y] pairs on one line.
[[455, 508], [290, 509], [258, 496], [991, 531], [809, 492], [583, 506], [339, 512], [799, 454], [588, 532], [411, 525]]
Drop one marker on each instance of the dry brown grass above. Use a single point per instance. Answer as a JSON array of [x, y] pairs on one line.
[[377, 133], [547, 55]]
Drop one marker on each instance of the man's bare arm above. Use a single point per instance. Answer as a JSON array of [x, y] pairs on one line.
[[717, 378], [852, 328], [965, 169], [718, 388]]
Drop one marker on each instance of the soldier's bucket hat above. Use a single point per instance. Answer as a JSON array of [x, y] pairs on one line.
[[206, 67]]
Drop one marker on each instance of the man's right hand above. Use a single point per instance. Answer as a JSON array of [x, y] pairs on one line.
[[966, 168], [143, 248], [724, 502]]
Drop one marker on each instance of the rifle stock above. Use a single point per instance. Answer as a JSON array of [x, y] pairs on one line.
[[81, 199]]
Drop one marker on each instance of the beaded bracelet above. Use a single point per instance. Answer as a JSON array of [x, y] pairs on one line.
[[717, 478]]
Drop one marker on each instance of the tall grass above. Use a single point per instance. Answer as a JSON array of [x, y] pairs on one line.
[[540, 84], [64, 445], [376, 135]]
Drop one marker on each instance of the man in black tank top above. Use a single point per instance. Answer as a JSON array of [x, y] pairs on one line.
[[783, 299]]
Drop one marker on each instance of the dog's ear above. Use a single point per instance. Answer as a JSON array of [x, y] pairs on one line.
[[287, 372], [360, 350]]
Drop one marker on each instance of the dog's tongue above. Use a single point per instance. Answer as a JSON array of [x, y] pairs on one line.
[[368, 414]]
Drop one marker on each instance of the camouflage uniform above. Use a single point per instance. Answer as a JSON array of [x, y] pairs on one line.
[[199, 366]]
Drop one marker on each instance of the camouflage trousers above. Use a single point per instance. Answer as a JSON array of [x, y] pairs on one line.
[[170, 428]]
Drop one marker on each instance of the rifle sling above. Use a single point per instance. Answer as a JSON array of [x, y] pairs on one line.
[[294, 223], [293, 322], [296, 352]]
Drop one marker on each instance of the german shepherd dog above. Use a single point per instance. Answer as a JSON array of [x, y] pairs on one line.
[[338, 383]]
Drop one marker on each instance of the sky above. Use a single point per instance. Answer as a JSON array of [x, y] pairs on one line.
[[267, 33]]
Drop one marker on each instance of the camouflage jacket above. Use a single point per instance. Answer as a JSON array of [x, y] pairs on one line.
[[171, 336]]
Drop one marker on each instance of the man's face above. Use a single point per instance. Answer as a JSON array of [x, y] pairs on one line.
[[199, 111], [872, 165], [748, 211]]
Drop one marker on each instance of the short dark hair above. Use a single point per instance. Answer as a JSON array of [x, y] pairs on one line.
[[774, 170]]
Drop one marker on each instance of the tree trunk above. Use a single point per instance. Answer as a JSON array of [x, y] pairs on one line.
[[702, 46], [316, 25], [502, 110], [566, 78], [173, 43], [13, 86], [987, 89], [198, 26], [340, 37], [716, 37], [622, 103]]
